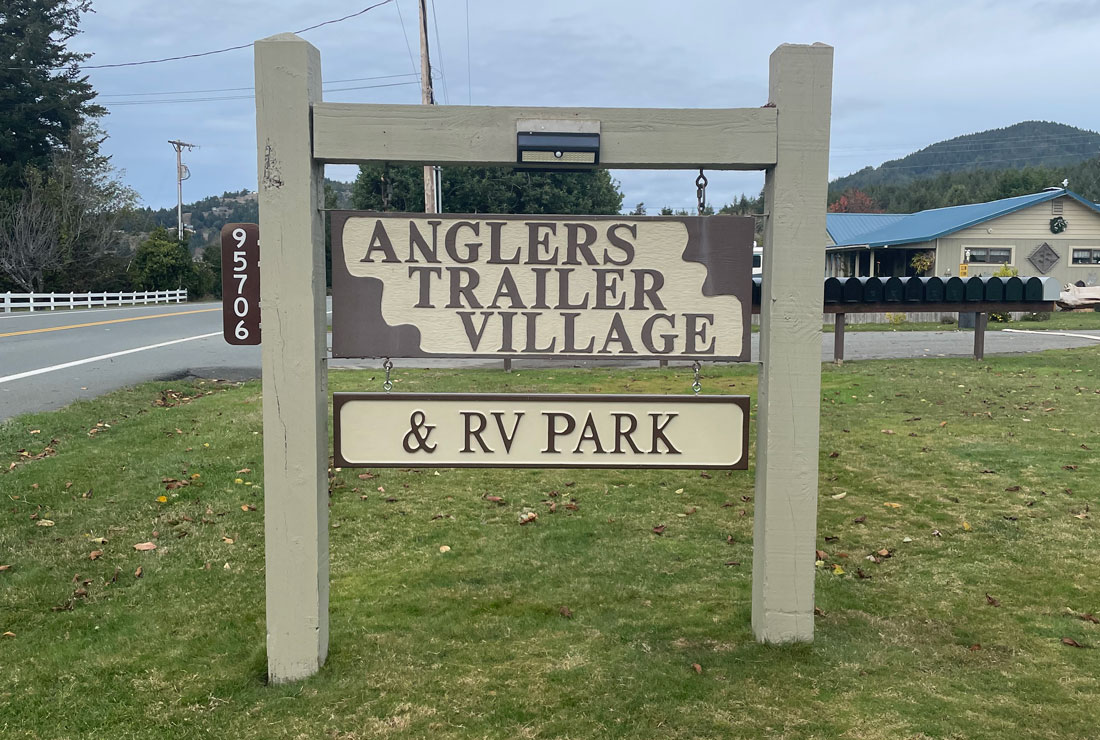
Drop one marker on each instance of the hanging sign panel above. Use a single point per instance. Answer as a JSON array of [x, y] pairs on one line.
[[540, 431], [567, 287]]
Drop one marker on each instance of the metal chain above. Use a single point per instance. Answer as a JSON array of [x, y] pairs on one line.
[[701, 190], [696, 386], [387, 385]]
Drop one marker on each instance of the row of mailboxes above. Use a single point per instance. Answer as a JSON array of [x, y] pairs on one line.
[[932, 290]]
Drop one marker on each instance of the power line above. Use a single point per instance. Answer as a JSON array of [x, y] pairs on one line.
[[404, 33], [240, 89], [439, 48], [469, 80], [118, 103], [229, 48]]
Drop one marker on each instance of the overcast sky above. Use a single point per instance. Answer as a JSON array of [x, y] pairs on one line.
[[906, 74]]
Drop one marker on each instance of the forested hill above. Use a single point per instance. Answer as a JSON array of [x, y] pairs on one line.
[[1026, 144], [206, 217]]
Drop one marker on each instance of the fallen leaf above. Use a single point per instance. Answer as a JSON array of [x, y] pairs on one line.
[[988, 471], [659, 529], [679, 490], [975, 647], [572, 505], [992, 601], [4, 567], [362, 476], [95, 554], [1071, 642], [861, 574], [444, 548], [1069, 467], [696, 667], [733, 562], [145, 546], [238, 481], [44, 522], [565, 612], [1012, 489], [1082, 515], [967, 527], [884, 553], [837, 570], [495, 500], [227, 540], [80, 593], [892, 505], [8, 634], [943, 423], [247, 507], [819, 612], [821, 554], [888, 431], [527, 517], [936, 533], [859, 519], [36, 431], [1088, 618], [139, 572], [907, 539], [162, 499], [249, 470], [834, 454]]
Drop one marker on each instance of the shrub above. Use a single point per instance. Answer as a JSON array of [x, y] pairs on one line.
[[1000, 318], [947, 319], [1036, 316], [895, 318]]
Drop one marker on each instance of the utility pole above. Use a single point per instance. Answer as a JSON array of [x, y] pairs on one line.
[[427, 98], [182, 173]]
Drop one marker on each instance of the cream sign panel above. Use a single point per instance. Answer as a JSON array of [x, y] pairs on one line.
[[541, 286], [546, 430]]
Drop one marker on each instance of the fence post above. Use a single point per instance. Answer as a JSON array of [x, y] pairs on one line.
[[7, 302], [838, 338], [295, 372], [789, 417]]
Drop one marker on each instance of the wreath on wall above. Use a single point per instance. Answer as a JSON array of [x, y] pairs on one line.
[[1058, 225]]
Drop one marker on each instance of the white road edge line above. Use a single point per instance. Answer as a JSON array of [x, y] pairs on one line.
[[1054, 334], [74, 363]]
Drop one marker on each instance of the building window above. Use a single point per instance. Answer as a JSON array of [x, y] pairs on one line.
[[988, 255], [1086, 256]]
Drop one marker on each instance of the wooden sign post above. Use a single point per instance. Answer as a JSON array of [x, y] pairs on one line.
[[297, 134]]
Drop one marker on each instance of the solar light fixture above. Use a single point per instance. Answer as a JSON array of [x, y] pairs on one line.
[[559, 145]]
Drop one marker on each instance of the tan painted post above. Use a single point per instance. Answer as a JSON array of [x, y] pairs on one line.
[[785, 523], [295, 377]]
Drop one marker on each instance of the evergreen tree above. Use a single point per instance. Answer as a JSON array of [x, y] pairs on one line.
[[488, 190], [43, 95]]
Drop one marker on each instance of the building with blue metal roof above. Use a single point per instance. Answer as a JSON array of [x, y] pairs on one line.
[[1054, 233]]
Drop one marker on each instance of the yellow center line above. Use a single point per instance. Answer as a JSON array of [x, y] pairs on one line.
[[109, 321]]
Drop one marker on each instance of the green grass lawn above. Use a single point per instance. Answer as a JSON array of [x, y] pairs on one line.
[[976, 479]]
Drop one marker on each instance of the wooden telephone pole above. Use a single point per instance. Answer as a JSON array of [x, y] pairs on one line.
[[427, 98], [182, 173]]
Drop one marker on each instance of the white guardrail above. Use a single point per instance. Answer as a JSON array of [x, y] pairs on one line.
[[42, 301]]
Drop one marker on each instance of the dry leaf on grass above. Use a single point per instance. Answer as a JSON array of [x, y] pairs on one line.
[[145, 546], [4, 567], [696, 667], [659, 529], [566, 612], [1071, 642], [44, 522], [95, 555], [139, 572], [992, 601]]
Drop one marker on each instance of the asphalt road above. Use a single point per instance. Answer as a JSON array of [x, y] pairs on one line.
[[49, 359]]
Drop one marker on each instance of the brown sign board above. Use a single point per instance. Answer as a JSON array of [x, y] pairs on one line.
[[490, 430], [241, 283], [541, 287]]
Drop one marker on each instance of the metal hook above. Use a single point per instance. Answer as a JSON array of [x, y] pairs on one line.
[[387, 385]]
